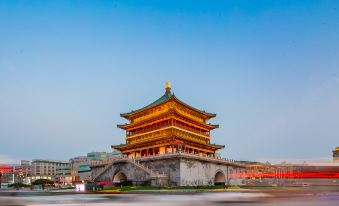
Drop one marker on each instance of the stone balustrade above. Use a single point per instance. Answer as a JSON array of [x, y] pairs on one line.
[[168, 154]]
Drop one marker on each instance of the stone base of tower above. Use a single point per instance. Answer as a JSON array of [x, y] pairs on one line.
[[177, 169]]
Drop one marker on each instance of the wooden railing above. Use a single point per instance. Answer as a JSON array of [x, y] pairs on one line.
[[148, 129]]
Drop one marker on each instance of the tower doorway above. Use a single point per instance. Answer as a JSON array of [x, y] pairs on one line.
[[219, 178]]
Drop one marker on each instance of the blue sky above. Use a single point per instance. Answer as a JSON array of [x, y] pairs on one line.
[[269, 69]]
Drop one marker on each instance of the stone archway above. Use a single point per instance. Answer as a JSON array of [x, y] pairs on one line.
[[219, 178], [119, 177]]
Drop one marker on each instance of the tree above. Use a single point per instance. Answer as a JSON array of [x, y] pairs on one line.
[[43, 182], [18, 185]]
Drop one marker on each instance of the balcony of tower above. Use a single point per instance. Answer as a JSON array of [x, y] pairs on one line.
[[164, 124], [167, 132], [169, 115]]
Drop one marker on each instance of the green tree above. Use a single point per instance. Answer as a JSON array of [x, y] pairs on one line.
[[43, 182], [18, 185]]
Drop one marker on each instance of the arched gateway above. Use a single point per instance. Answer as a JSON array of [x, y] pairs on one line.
[[219, 178], [119, 177]]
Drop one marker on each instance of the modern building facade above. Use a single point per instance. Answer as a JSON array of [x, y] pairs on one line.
[[6, 175], [63, 174], [46, 169], [80, 166], [16, 173], [23, 172]]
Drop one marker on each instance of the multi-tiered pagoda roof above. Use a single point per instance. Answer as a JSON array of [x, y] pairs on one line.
[[167, 125]]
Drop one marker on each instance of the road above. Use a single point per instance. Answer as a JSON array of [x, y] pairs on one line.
[[309, 197]]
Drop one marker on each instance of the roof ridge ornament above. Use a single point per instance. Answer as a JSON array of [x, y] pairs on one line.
[[168, 87]]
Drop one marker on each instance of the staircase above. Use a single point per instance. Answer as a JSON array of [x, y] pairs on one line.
[[152, 173], [103, 171]]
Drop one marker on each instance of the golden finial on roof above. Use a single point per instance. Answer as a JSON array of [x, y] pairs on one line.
[[336, 149], [168, 86]]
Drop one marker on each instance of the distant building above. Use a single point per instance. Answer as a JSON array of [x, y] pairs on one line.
[[14, 173], [259, 174], [46, 169], [25, 163], [81, 170], [308, 173], [336, 154], [63, 174], [23, 172], [7, 176]]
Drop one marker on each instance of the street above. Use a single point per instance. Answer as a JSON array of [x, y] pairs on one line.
[[309, 197]]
